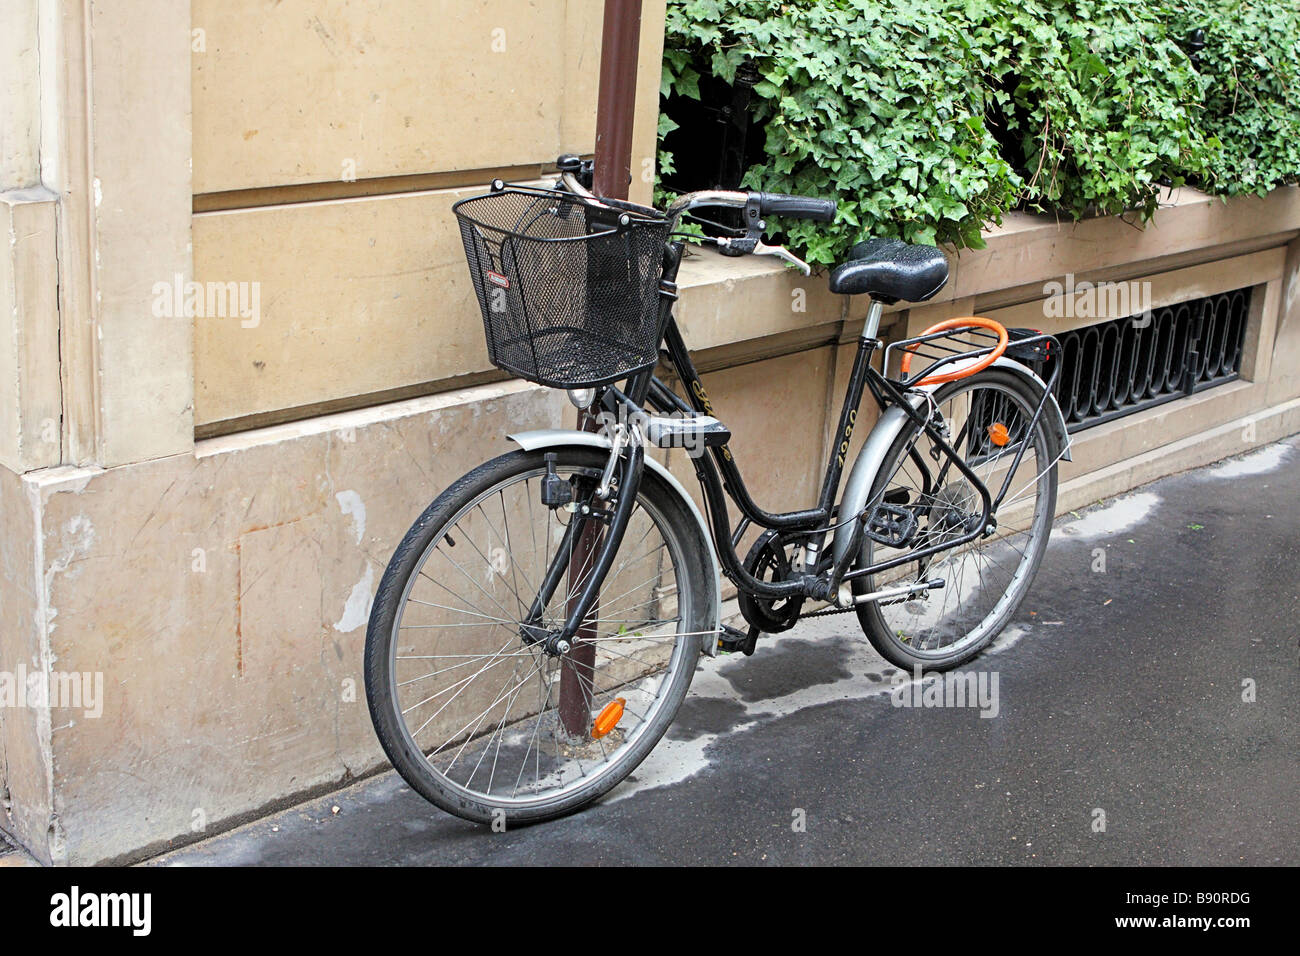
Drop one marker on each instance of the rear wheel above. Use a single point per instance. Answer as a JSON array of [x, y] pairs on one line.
[[986, 579], [485, 723]]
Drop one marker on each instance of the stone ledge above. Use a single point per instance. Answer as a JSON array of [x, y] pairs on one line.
[[727, 301]]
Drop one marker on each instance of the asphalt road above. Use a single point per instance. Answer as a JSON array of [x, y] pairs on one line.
[[1121, 735]]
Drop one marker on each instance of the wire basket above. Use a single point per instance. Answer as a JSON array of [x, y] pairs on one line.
[[568, 285]]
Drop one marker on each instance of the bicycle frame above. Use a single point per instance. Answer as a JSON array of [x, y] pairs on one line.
[[720, 476]]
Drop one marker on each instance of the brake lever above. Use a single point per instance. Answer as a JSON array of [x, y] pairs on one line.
[[781, 252], [739, 246], [751, 243]]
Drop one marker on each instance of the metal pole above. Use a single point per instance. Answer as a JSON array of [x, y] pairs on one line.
[[615, 108], [616, 100]]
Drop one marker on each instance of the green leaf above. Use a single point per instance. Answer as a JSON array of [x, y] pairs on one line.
[[688, 83]]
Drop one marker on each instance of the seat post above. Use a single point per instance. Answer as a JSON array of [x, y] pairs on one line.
[[873, 319]]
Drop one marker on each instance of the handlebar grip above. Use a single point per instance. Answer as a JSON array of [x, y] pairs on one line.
[[796, 207]]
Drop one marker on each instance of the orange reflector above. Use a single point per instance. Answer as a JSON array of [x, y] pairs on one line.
[[998, 434], [608, 717]]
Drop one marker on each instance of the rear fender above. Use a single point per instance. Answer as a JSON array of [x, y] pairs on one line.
[[890, 425]]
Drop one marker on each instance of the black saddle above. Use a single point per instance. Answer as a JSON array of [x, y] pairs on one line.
[[890, 270]]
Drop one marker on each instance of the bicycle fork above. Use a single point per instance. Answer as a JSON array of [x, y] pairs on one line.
[[626, 460]]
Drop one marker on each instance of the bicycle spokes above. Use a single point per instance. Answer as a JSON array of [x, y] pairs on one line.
[[498, 712]]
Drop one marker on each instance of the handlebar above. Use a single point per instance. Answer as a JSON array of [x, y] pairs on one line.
[[755, 204], [718, 198], [769, 204], [796, 207]]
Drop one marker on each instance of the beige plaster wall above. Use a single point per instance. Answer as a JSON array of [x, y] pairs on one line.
[[366, 295], [306, 91], [116, 152], [357, 296], [30, 403], [25, 769], [20, 94], [223, 597]]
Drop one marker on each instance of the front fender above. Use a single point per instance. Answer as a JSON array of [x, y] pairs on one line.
[[887, 429], [556, 437]]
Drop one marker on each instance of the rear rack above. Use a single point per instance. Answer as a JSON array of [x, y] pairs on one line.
[[941, 349], [1028, 346]]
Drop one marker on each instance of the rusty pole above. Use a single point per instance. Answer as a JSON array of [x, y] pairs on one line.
[[616, 99], [615, 106]]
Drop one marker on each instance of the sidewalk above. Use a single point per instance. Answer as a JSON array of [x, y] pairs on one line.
[[1121, 734]]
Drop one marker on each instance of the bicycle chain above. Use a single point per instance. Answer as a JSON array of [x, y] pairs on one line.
[[827, 612]]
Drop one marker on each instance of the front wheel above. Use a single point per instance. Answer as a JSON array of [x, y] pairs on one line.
[[481, 720], [986, 579]]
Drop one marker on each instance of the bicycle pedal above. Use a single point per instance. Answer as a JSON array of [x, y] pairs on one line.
[[890, 525], [735, 640]]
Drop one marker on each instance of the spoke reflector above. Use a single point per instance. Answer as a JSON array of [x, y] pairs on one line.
[[998, 434], [608, 717]]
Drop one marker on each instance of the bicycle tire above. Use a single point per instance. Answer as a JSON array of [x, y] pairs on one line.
[[685, 546]]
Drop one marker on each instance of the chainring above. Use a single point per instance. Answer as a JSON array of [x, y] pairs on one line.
[[767, 560]]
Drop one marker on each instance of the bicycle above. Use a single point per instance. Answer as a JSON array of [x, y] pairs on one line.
[[537, 628]]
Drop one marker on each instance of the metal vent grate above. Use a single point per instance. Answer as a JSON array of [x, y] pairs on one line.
[[1122, 366]]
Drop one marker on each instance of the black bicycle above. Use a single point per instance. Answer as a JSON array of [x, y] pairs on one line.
[[537, 629]]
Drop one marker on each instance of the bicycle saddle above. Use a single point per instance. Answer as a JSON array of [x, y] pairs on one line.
[[890, 270]]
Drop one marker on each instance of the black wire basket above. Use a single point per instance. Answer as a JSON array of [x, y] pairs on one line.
[[568, 285]]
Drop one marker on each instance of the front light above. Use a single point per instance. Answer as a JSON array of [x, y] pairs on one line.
[[581, 397]]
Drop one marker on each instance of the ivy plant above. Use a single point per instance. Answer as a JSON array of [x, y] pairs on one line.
[[1104, 104], [880, 107], [928, 120], [1251, 64]]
